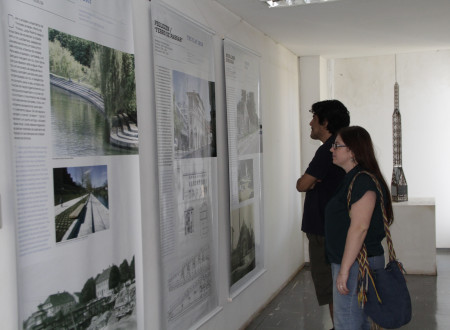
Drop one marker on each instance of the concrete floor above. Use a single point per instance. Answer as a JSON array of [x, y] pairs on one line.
[[296, 306]]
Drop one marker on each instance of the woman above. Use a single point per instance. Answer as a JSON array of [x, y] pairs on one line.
[[348, 226]]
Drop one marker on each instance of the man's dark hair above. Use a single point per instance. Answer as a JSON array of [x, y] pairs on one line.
[[332, 111]]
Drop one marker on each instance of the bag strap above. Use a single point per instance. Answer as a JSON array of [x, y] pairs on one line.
[[364, 270]]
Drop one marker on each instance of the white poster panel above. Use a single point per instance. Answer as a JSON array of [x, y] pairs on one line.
[[186, 140], [75, 144], [245, 164]]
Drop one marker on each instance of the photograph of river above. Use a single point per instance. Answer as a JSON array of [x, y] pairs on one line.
[[93, 98]]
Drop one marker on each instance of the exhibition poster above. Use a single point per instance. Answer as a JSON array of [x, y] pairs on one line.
[[245, 164], [186, 145], [74, 136]]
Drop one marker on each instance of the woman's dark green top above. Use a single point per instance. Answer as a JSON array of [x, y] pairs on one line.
[[337, 219]]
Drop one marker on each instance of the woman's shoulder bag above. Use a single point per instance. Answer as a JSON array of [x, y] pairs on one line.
[[383, 293]]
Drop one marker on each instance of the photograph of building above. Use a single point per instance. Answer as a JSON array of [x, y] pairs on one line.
[[194, 116]]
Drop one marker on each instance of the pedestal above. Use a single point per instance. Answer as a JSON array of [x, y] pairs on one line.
[[414, 235]]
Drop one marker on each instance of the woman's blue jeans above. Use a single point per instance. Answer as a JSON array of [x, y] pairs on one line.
[[347, 314]]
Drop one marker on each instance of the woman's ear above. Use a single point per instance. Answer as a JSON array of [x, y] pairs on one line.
[[353, 157]]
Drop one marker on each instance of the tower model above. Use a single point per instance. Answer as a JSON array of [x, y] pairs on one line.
[[399, 187]]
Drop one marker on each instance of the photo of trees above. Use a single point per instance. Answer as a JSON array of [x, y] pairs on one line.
[[93, 98]]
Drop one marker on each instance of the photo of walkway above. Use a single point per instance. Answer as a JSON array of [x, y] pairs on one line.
[[81, 201]]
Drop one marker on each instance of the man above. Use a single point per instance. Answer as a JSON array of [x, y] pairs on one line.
[[319, 181]]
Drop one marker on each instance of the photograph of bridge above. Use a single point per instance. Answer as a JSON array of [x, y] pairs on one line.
[[93, 98]]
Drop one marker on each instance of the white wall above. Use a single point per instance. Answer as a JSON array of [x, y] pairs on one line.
[[313, 73], [281, 162], [366, 86]]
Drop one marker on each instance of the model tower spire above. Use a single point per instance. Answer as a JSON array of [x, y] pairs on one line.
[[399, 187]]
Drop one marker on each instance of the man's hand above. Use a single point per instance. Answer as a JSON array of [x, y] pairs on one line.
[[306, 182]]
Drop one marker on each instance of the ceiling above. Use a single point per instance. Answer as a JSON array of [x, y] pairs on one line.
[[351, 28]]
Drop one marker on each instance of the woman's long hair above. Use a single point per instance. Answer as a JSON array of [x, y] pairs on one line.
[[358, 140]]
